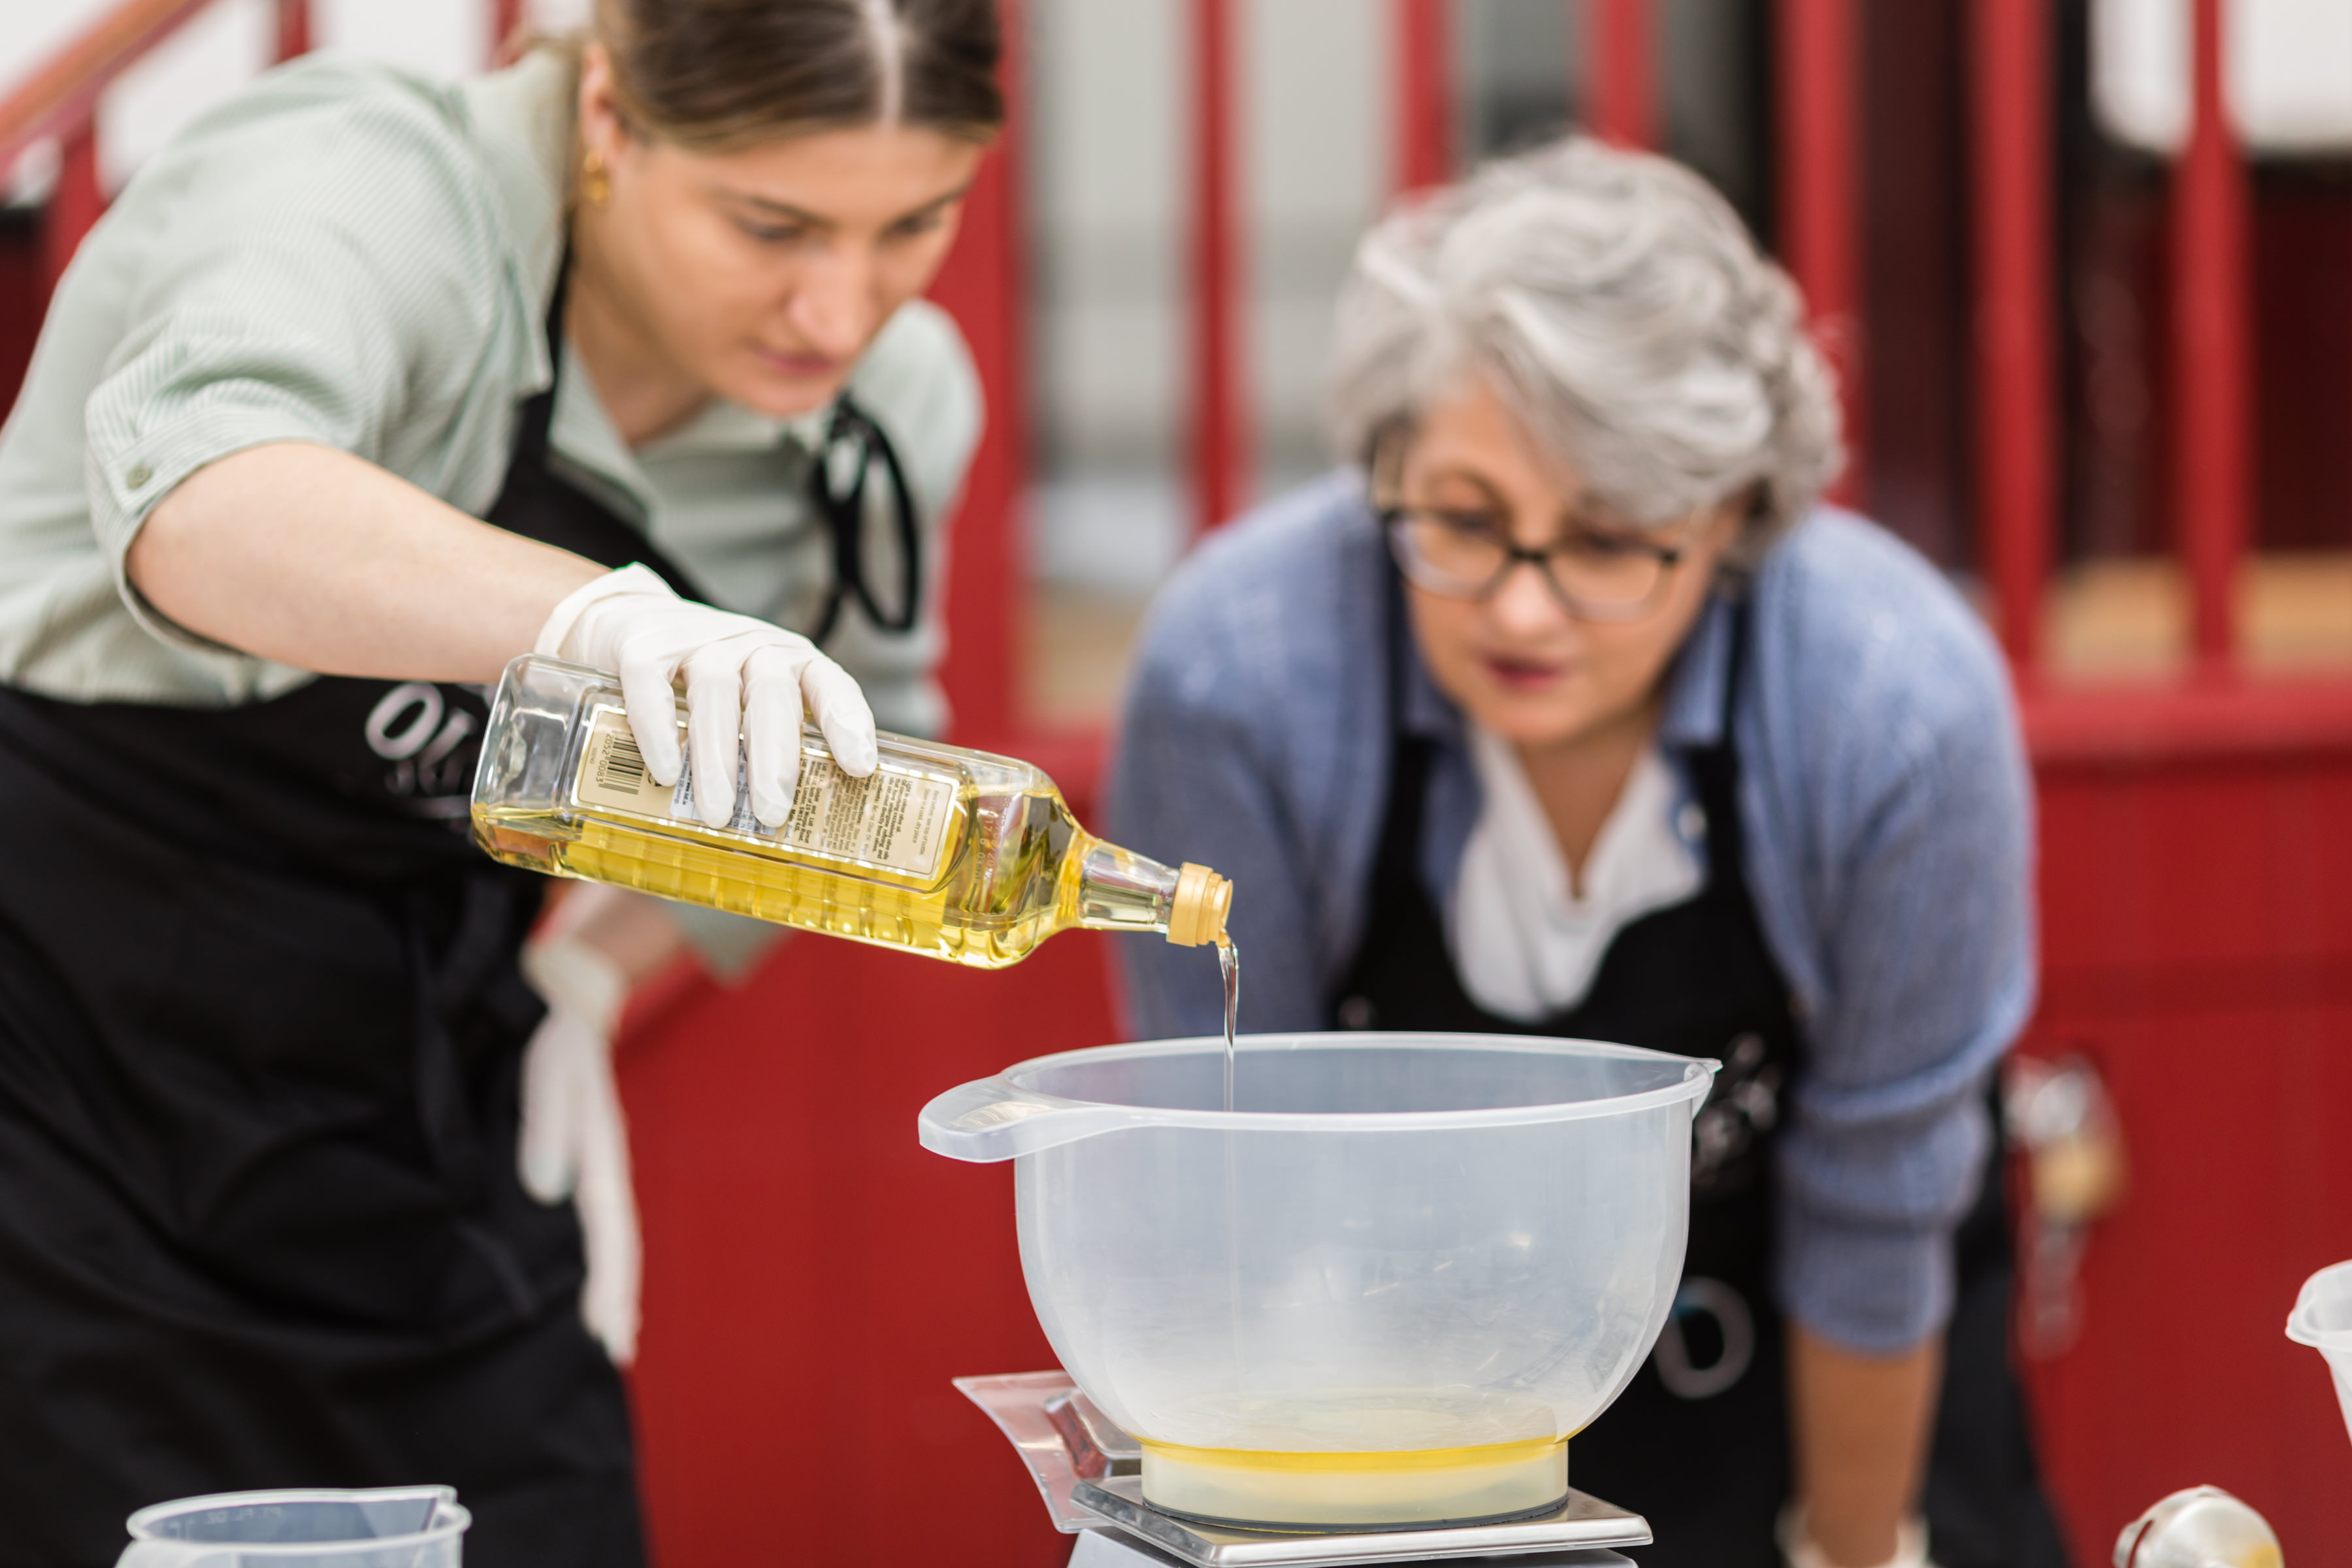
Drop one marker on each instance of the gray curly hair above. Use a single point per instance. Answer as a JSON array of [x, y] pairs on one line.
[[1618, 306]]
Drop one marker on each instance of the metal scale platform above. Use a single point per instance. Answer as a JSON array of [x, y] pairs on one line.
[[1090, 1471]]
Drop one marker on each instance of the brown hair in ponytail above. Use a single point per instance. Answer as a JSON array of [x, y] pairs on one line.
[[714, 75]]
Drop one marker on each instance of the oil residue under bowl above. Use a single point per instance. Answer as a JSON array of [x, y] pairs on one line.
[[1385, 1287], [1323, 1457]]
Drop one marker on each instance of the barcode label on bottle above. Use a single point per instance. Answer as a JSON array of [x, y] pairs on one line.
[[895, 818]]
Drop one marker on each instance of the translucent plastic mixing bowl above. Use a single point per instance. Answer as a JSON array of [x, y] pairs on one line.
[[391, 1527], [1387, 1288]]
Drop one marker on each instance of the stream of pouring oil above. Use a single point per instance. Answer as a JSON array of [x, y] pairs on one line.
[[1229, 964]]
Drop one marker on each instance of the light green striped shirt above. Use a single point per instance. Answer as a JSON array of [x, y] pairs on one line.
[[354, 256]]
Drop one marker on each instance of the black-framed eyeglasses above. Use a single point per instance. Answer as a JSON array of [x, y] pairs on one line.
[[1597, 572]]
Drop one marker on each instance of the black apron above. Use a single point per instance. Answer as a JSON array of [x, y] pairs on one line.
[[1699, 1442], [260, 1034]]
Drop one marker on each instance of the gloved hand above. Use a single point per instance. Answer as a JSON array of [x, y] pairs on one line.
[[574, 1143], [740, 674], [1799, 1549]]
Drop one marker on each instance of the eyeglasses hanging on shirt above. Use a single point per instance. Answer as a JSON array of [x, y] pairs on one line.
[[838, 472]]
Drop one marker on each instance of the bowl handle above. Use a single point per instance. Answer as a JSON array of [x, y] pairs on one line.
[[176, 1554], [992, 1120]]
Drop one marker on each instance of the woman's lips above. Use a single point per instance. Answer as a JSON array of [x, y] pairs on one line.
[[1522, 674], [800, 366]]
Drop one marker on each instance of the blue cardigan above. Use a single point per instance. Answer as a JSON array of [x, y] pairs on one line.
[[1888, 837]]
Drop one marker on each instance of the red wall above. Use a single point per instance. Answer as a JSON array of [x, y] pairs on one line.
[[2197, 904], [814, 1277]]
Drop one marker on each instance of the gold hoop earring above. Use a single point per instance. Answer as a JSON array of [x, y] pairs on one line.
[[595, 180]]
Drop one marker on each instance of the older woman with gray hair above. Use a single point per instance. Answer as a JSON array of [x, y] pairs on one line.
[[1726, 772]]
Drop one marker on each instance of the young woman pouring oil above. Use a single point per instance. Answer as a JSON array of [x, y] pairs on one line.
[[1567, 709], [362, 389]]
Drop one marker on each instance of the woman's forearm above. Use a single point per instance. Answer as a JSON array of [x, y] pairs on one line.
[[1861, 1425], [311, 557]]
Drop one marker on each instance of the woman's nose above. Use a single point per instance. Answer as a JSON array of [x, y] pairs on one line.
[[1524, 604], [832, 307]]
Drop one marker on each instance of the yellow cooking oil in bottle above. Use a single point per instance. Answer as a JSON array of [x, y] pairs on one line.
[[952, 853]]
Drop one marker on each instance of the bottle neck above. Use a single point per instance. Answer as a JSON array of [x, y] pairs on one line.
[[1121, 890]]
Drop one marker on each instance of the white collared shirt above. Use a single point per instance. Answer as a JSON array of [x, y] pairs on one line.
[[1526, 944]]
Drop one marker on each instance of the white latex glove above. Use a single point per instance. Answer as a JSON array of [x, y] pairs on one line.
[[574, 1143], [743, 675], [1799, 1549]]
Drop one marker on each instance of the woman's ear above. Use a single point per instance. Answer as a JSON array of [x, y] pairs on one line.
[[603, 130]]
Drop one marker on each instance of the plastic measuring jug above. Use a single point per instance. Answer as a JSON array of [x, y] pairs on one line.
[[397, 1527], [1386, 1288], [2322, 1319]]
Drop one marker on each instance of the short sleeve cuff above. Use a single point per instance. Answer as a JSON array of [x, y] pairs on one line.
[[1874, 1289], [126, 483]]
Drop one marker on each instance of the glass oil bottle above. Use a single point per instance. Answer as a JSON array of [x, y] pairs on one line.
[[951, 853]]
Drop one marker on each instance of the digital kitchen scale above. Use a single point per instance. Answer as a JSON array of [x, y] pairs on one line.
[[1091, 1474]]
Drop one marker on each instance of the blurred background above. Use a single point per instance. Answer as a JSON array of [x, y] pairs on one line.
[[2085, 267]]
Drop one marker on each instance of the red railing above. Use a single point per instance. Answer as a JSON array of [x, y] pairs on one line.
[[1624, 77], [1221, 445], [293, 28], [2211, 385], [1424, 73], [2017, 334], [61, 99], [2016, 370], [2017, 319], [1816, 49], [1821, 207], [984, 286]]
